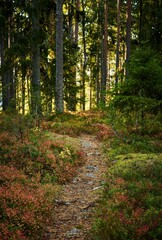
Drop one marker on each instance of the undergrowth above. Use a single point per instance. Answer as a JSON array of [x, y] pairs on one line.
[[131, 203], [76, 124], [24, 206], [37, 157], [35, 162]]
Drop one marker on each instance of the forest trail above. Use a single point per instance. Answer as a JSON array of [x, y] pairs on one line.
[[74, 207]]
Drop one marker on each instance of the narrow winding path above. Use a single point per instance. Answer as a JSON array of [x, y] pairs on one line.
[[75, 206]]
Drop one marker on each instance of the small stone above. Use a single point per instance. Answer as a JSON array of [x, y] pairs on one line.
[[92, 168], [97, 153], [90, 175], [96, 188], [75, 180], [60, 202], [73, 231], [86, 144], [91, 153], [90, 183]]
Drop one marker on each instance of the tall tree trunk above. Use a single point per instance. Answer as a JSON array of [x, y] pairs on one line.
[[128, 32], [71, 87], [28, 93], [23, 70], [59, 102], [140, 22], [118, 41], [3, 78], [98, 80], [35, 84], [104, 54], [12, 76], [77, 16], [8, 83], [84, 56]]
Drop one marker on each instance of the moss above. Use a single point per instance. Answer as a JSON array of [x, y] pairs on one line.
[[131, 204], [143, 165]]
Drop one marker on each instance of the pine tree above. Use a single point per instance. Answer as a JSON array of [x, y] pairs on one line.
[[59, 102]]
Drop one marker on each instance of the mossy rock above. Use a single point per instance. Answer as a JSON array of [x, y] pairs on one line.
[[137, 165]]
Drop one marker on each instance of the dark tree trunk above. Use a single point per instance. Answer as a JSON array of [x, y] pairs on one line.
[[140, 22], [77, 16], [128, 32], [71, 87], [6, 39], [3, 77], [104, 55], [59, 102], [23, 69], [35, 84], [97, 80], [118, 41], [85, 58]]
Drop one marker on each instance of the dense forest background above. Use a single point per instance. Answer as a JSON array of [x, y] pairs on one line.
[[77, 55]]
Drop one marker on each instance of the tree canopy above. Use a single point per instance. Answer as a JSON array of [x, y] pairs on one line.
[[68, 55]]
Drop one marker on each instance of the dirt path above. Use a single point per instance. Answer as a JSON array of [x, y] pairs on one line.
[[75, 205]]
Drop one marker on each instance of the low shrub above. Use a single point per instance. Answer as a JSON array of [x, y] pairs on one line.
[[131, 206], [24, 206], [45, 161], [76, 124], [32, 165], [17, 125]]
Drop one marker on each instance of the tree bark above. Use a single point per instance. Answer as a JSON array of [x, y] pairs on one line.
[[59, 85], [128, 32], [35, 84], [98, 80], [104, 55], [118, 41], [3, 78], [85, 58], [77, 21], [140, 22], [7, 78]]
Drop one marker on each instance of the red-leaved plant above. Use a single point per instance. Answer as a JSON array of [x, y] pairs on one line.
[[131, 207], [23, 205]]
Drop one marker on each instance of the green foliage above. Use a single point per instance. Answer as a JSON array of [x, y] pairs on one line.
[[132, 143], [132, 200], [138, 100], [18, 125], [145, 73]]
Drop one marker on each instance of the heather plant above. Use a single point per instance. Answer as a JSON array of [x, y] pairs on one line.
[[131, 206], [32, 165], [68, 158], [76, 124], [24, 206], [17, 125], [46, 160]]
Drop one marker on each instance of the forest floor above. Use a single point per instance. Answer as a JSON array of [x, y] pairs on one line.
[[60, 173], [74, 208]]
